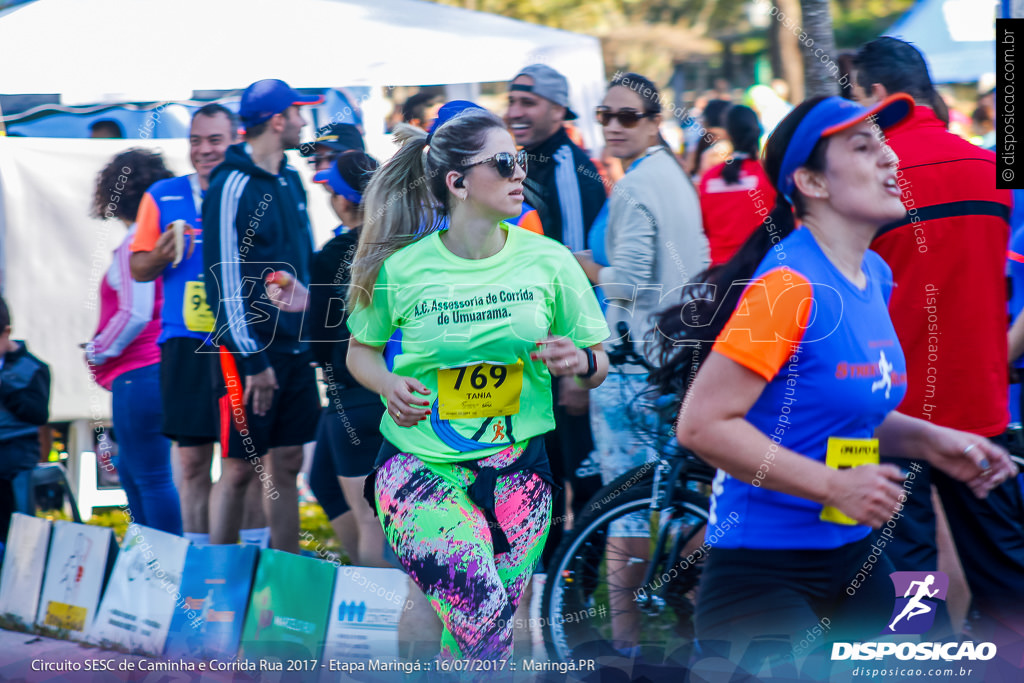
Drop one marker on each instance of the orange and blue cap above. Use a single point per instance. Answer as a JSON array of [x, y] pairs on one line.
[[833, 115]]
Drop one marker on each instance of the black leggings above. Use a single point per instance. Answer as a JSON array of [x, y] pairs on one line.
[[780, 604], [989, 538]]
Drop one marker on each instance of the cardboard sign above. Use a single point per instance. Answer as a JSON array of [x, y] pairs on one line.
[[143, 593], [287, 616], [215, 589], [77, 566], [367, 605], [21, 580]]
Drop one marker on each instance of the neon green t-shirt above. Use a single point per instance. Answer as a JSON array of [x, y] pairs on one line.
[[470, 325]]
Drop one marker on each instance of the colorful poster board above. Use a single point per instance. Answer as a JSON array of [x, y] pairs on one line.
[[367, 605], [76, 569], [144, 592], [215, 588], [21, 580], [287, 615]]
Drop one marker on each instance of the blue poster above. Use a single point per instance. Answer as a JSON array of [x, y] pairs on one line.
[[215, 589]]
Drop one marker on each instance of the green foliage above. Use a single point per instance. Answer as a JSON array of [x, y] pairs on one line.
[[113, 518], [857, 21], [597, 17], [591, 16], [314, 522]]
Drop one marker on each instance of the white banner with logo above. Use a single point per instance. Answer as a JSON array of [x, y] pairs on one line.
[[75, 572], [363, 623], [143, 593]]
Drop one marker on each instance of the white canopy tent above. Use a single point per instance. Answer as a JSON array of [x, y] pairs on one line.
[[155, 50], [133, 50]]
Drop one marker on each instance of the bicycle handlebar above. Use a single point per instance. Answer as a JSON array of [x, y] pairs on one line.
[[624, 352]]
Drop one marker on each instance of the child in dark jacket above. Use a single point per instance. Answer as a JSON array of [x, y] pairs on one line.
[[24, 407]]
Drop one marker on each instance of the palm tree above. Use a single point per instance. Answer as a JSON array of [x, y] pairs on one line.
[[787, 61], [820, 69]]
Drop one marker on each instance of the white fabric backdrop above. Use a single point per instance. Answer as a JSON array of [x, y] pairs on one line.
[[53, 255]]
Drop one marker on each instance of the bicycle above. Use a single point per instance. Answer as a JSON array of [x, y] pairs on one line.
[[577, 604]]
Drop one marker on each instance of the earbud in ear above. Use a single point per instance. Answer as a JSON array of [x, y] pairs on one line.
[[459, 182]]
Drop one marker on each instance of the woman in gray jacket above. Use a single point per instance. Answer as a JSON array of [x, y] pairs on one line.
[[645, 246]]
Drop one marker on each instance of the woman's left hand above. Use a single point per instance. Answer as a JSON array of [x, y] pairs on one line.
[[560, 356], [970, 458]]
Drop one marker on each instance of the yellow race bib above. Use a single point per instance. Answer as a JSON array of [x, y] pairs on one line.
[[479, 390], [197, 314], [843, 454]]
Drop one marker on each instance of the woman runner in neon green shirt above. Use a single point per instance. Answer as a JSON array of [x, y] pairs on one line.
[[489, 312]]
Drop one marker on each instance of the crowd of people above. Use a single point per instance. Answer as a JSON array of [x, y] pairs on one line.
[[461, 316]]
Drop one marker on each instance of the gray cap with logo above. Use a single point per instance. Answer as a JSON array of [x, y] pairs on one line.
[[547, 83]]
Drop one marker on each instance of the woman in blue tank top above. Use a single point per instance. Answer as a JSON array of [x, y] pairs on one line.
[[800, 374]]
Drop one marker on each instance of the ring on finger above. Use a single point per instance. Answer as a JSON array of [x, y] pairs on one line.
[[565, 362]]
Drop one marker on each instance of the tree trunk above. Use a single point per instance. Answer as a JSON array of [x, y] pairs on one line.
[[787, 48], [819, 48]]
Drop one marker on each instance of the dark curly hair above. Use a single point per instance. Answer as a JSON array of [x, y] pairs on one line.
[[122, 182], [357, 168]]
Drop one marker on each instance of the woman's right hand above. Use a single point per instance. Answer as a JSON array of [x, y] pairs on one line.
[[287, 293], [868, 494], [404, 407]]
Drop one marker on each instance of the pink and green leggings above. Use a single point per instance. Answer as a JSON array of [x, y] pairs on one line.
[[444, 543]]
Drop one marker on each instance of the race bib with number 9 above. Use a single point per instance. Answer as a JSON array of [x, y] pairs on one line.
[[197, 314], [477, 390]]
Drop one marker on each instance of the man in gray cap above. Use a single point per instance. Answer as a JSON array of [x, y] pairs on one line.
[[562, 184], [565, 188]]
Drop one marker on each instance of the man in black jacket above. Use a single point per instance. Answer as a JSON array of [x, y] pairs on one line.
[[563, 184], [255, 216], [24, 407], [568, 193]]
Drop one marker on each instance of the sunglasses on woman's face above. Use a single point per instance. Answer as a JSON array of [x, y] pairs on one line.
[[505, 162], [628, 118]]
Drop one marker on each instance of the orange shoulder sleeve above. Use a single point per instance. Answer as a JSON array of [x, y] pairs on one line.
[[148, 222], [768, 323]]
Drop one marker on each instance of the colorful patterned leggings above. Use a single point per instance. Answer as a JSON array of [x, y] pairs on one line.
[[443, 542]]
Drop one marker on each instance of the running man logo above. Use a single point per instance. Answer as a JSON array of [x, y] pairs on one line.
[[499, 431], [885, 367], [917, 596]]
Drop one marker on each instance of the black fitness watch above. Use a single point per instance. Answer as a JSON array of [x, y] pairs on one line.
[[591, 365]]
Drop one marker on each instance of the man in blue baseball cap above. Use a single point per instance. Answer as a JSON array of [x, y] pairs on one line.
[[255, 213]]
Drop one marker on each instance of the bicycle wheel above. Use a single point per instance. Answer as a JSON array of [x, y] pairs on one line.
[[590, 597]]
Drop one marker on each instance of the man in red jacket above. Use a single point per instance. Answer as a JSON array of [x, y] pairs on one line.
[[948, 257]]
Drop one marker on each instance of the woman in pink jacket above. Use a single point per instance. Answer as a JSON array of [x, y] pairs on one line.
[[123, 356]]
